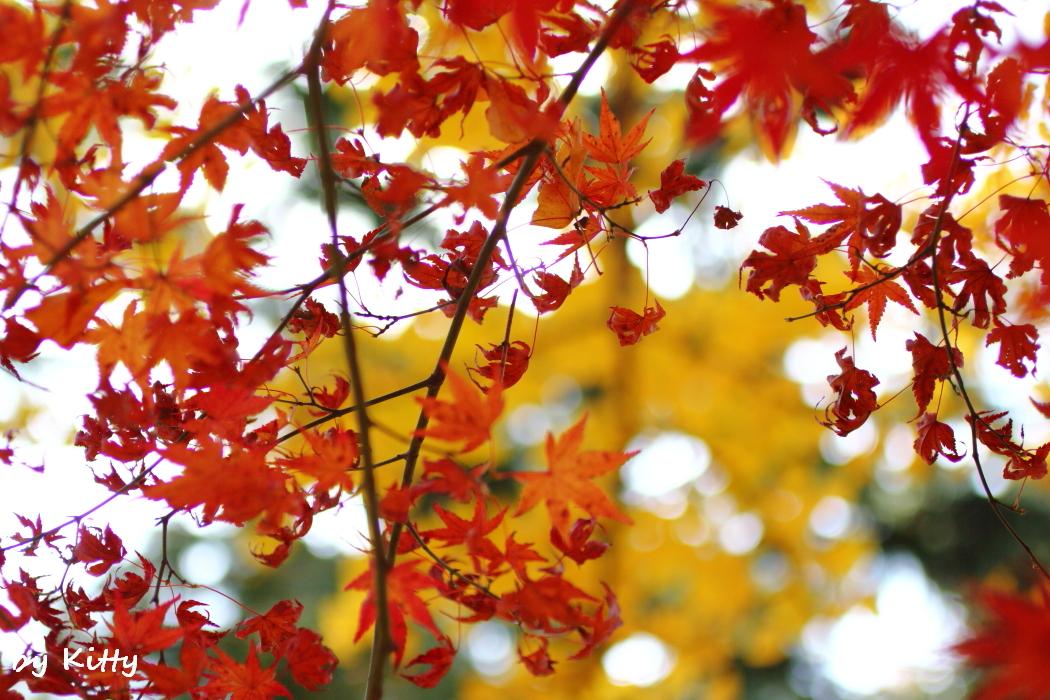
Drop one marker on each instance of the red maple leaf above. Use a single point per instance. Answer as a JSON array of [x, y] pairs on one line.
[[473, 533], [629, 326], [935, 438], [555, 289], [865, 223], [404, 585], [506, 363], [538, 662], [310, 662], [764, 55], [545, 604], [1017, 345], [102, 553], [983, 286], [875, 293], [439, 659], [482, 183], [579, 546], [791, 260], [855, 398], [930, 364], [475, 14], [1024, 232], [600, 626], [247, 681], [275, 626], [674, 181], [1010, 645], [447, 477], [611, 145], [725, 218]]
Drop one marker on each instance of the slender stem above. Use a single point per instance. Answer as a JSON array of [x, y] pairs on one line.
[[451, 570], [381, 644], [356, 407], [77, 519]]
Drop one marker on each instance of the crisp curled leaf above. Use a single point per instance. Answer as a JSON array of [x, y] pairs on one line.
[[674, 181], [855, 398], [791, 259], [629, 326], [936, 438], [438, 658], [866, 223], [505, 363], [102, 553], [726, 218], [538, 662], [579, 546]]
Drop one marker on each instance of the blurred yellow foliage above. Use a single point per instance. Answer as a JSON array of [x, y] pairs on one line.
[[713, 371]]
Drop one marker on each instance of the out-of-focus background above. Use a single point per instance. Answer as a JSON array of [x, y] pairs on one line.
[[768, 559]]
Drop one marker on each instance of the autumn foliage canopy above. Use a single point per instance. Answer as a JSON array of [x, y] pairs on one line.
[[193, 412]]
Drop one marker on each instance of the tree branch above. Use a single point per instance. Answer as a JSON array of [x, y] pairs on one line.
[[381, 644]]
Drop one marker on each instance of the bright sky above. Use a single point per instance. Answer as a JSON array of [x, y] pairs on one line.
[[900, 642]]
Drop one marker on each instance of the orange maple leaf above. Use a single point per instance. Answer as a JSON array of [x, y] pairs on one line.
[[468, 416], [568, 480], [482, 183], [611, 146], [247, 681]]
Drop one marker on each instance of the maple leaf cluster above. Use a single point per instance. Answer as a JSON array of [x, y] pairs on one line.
[[184, 416], [966, 271], [860, 72]]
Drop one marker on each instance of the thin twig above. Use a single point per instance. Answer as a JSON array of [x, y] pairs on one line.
[[381, 642], [351, 409]]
